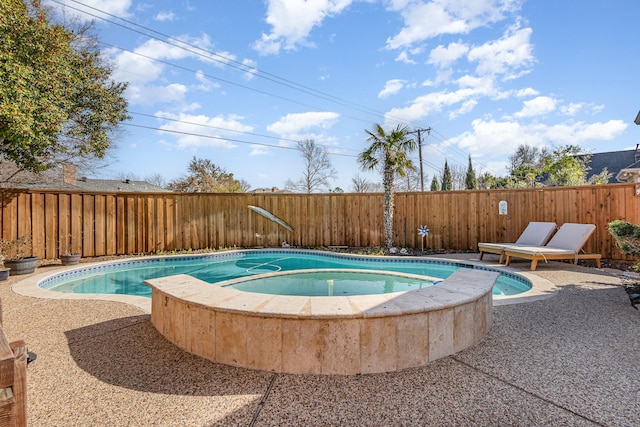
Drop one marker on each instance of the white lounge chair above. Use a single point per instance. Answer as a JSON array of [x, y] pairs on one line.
[[535, 234], [566, 244]]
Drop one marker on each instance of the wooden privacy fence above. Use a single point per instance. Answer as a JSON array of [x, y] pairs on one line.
[[96, 224]]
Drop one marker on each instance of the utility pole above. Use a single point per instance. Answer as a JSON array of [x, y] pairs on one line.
[[419, 131]]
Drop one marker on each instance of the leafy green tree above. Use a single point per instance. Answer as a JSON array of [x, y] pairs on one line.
[[471, 182], [57, 100], [564, 167], [488, 181], [447, 180], [388, 153], [206, 177], [435, 185], [600, 178], [526, 166]]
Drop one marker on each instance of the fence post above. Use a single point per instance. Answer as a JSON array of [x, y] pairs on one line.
[[13, 381]]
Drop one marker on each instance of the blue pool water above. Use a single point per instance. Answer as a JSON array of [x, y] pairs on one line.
[[333, 283], [126, 277]]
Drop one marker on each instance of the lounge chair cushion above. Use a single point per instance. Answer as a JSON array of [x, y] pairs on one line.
[[565, 244], [535, 234]]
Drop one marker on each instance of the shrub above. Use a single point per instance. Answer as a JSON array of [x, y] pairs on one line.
[[627, 237]]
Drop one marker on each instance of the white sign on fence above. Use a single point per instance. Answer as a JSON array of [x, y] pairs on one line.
[[502, 207]]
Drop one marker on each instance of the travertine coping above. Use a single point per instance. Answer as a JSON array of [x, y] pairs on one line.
[[324, 335]]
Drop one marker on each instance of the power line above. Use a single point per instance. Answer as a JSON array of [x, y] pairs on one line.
[[230, 62], [225, 61], [220, 138]]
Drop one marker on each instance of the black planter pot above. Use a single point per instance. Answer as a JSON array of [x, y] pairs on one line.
[[21, 265], [4, 274], [70, 259]]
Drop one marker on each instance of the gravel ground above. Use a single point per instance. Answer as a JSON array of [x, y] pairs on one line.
[[567, 360]]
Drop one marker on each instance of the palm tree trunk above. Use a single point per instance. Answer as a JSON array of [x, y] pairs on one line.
[[387, 182]]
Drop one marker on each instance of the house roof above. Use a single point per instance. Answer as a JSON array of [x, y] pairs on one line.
[[61, 178], [614, 161], [127, 185]]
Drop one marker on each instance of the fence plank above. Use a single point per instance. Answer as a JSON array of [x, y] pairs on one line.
[[77, 229], [100, 213], [51, 231]]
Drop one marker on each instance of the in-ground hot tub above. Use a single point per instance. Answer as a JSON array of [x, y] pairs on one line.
[[346, 335]]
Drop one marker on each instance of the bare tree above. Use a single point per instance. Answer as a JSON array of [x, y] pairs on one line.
[[156, 179], [409, 182], [244, 185], [123, 176], [458, 176], [360, 184], [318, 171]]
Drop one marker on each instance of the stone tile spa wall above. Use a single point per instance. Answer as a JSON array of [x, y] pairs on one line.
[[324, 335]]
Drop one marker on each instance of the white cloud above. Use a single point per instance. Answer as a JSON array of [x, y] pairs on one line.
[[427, 19], [571, 109], [433, 102], [259, 150], [139, 66], [150, 94], [404, 57], [466, 107], [503, 56], [443, 56], [537, 106], [193, 131], [135, 69], [598, 131], [423, 106], [291, 22], [526, 92], [165, 16], [296, 123], [391, 87], [251, 68], [494, 139]]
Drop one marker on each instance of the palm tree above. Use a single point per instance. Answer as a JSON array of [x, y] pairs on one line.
[[388, 153]]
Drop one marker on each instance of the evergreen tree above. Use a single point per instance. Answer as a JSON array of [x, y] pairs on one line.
[[447, 180], [435, 185], [471, 182]]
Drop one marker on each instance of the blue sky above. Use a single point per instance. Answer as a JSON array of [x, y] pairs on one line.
[[238, 82]]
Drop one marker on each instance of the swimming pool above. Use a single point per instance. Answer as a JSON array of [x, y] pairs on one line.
[[126, 277]]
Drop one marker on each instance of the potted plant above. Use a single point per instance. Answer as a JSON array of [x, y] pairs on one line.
[[70, 257], [18, 255], [4, 273]]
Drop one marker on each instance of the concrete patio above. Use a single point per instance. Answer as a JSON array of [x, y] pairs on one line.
[[571, 359]]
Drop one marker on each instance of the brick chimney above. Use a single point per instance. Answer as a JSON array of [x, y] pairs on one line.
[[69, 174]]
